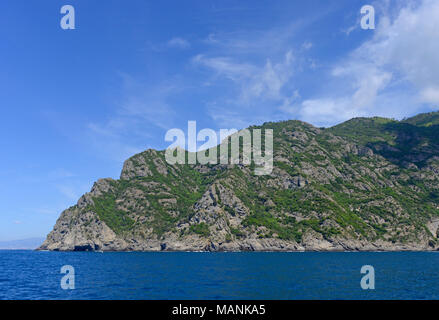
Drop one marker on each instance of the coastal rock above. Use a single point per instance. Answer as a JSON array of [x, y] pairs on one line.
[[368, 184]]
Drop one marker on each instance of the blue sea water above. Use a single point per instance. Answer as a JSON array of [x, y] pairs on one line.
[[247, 275]]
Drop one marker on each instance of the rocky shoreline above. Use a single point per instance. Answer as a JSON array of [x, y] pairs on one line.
[[368, 184], [62, 239]]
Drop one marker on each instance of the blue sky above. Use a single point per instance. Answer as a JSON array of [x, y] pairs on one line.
[[76, 103]]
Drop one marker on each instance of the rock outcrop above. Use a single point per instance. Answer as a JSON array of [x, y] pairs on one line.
[[366, 184]]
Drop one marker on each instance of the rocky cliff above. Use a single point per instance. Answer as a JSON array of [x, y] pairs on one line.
[[366, 184]]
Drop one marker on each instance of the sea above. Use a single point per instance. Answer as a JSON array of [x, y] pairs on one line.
[[35, 275]]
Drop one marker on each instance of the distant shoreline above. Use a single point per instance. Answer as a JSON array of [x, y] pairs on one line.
[[242, 251], [22, 244]]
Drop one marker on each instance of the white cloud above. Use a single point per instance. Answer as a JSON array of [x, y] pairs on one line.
[[228, 117], [321, 111], [257, 89], [401, 58], [409, 46], [430, 94], [366, 81], [348, 30], [179, 43], [226, 67], [256, 83], [268, 82], [307, 45], [254, 70]]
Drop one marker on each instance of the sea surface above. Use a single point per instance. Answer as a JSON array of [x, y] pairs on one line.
[[247, 275]]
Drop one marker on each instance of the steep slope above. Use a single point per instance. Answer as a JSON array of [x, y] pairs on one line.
[[366, 184]]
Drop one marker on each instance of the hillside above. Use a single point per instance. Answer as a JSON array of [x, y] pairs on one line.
[[365, 184]]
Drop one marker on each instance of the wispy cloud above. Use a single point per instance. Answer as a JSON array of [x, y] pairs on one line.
[[46, 211], [142, 108], [179, 43], [266, 42], [255, 82], [256, 70], [60, 173], [255, 86], [68, 191], [399, 67], [225, 66], [306, 45]]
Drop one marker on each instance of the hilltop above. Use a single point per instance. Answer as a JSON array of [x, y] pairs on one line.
[[365, 184]]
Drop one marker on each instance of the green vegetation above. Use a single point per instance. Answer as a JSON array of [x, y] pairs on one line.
[[367, 178], [201, 229], [116, 219]]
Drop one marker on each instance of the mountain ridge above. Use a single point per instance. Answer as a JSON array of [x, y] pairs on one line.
[[364, 184]]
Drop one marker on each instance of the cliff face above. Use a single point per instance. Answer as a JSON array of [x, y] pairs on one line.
[[366, 184]]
